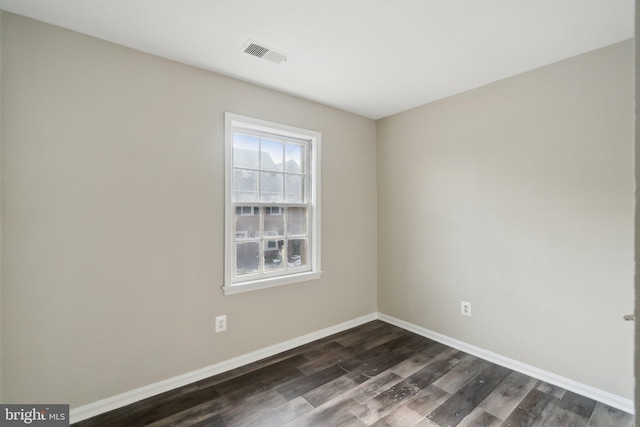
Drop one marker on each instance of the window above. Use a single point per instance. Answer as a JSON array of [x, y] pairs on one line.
[[272, 200], [246, 210]]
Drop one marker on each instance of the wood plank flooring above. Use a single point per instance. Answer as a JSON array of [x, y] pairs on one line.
[[372, 375]]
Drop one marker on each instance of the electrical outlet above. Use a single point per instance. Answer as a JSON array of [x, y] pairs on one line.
[[465, 308], [221, 323]]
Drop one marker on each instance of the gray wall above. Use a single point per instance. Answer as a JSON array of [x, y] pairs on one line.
[[637, 211], [1, 395], [112, 184], [518, 197]]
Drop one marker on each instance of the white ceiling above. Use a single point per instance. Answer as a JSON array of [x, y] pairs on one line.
[[370, 57]]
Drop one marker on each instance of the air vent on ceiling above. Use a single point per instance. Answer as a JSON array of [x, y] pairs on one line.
[[260, 51]]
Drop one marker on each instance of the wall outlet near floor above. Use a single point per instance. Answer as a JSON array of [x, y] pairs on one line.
[[465, 308], [221, 323]]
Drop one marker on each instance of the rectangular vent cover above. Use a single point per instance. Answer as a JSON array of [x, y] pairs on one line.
[[254, 49]]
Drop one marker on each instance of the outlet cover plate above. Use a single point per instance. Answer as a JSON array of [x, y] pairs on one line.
[[465, 308], [221, 323]]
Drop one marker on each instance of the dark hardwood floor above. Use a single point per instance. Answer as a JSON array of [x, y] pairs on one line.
[[372, 375]]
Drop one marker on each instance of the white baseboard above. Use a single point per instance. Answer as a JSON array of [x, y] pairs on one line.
[[566, 383], [105, 405], [109, 404]]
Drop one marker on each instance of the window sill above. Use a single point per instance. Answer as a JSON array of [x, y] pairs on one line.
[[254, 285]]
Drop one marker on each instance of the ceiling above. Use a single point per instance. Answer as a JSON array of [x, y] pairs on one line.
[[370, 57]]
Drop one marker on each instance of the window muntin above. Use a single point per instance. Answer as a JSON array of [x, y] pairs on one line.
[[272, 198]]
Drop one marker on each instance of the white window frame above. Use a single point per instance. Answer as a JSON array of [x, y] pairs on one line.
[[236, 284]]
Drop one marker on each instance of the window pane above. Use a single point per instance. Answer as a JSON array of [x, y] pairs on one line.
[[273, 255], [296, 252], [247, 257], [245, 151], [272, 187], [247, 222], [245, 186], [297, 221], [273, 222], [271, 152], [294, 186], [294, 158]]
